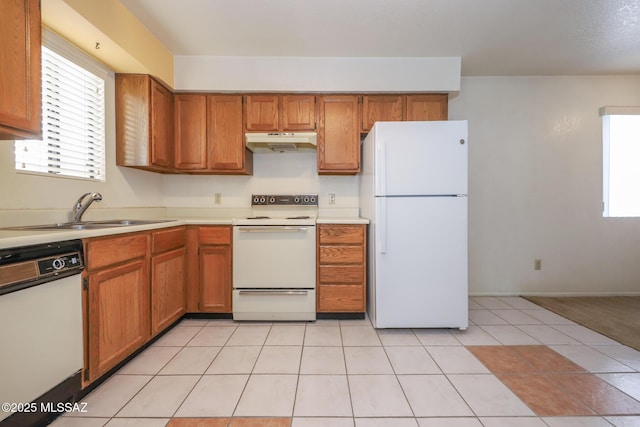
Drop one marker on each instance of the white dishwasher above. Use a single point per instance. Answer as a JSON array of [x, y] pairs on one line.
[[40, 320]]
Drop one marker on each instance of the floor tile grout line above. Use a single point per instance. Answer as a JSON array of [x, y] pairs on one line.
[[594, 346], [295, 395], [246, 384]]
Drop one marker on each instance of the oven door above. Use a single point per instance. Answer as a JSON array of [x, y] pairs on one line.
[[274, 257]]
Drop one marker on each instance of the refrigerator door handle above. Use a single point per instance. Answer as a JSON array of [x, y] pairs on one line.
[[381, 172], [382, 224]]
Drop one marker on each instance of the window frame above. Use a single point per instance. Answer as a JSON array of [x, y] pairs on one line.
[[65, 49], [606, 113]]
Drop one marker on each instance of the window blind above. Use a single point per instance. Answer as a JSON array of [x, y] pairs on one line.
[[73, 117]]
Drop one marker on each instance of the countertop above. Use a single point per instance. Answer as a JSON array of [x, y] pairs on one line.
[[16, 238]]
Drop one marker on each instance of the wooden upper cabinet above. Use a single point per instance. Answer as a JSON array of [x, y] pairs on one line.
[[225, 138], [209, 135], [338, 134], [261, 113], [190, 132], [427, 107], [20, 69], [161, 125], [391, 108], [144, 123], [276, 113], [381, 108], [298, 112]]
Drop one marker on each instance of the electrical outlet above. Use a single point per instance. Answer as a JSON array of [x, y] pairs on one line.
[[218, 198], [332, 198], [537, 264]]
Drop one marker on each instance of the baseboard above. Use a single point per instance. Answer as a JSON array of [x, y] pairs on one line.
[[340, 316], [208, 316], [49, 406], [554, 294]]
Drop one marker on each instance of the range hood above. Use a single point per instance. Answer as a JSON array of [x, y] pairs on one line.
[[281, 142]]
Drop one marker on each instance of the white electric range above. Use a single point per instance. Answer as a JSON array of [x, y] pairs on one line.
[[274, 259]]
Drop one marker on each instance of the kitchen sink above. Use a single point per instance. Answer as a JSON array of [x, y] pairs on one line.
[[89, 225]]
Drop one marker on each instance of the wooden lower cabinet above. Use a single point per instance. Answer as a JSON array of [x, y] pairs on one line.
[[116, 298], [341, 275], [209, 269], [215, 278], [134, 287], [168, 277]]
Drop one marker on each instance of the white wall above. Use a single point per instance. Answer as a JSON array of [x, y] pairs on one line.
[[291, 74], [536, 186], [273, 173]]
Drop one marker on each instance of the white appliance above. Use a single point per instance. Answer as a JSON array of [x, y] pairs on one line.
[[281, 142], [274, 259], [40, 324], [413, 189]]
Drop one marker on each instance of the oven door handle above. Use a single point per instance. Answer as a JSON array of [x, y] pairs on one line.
[[269, 292], [272, 229]]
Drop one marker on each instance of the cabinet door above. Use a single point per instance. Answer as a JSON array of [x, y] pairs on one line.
[[338, 135], [381, 108], [224, 133], [427, 107], [118, 314], [167, 288], [298, 112], [161, 126], [215, 278], [132, 120], [261, 113], [20, 59], [190, 132]]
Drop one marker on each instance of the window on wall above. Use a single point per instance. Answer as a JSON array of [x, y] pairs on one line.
[[73, 116], [621, 161]]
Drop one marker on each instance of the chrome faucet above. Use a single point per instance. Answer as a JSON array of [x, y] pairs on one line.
[[83, 204]]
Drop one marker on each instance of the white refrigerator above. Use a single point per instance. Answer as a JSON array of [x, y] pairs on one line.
[[413, 189]]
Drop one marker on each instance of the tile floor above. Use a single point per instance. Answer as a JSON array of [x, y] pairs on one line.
[[517, 365]]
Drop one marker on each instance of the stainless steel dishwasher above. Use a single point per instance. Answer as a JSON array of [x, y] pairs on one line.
[[40, 323]]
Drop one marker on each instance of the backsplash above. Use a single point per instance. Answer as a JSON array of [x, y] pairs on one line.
[[281, 173]]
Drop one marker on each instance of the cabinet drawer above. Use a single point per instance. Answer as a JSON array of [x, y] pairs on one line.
[[341, 234], [337, 298], [101, 252], [341, 255], [170, 238], [220, 235], [334, 274]]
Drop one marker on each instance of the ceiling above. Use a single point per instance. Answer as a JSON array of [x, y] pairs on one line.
[[493, 37]]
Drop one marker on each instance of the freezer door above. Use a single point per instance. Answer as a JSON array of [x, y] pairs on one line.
[[421, 263], [420, 158]]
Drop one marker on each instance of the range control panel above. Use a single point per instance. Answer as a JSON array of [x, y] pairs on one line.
[[284, 200]]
